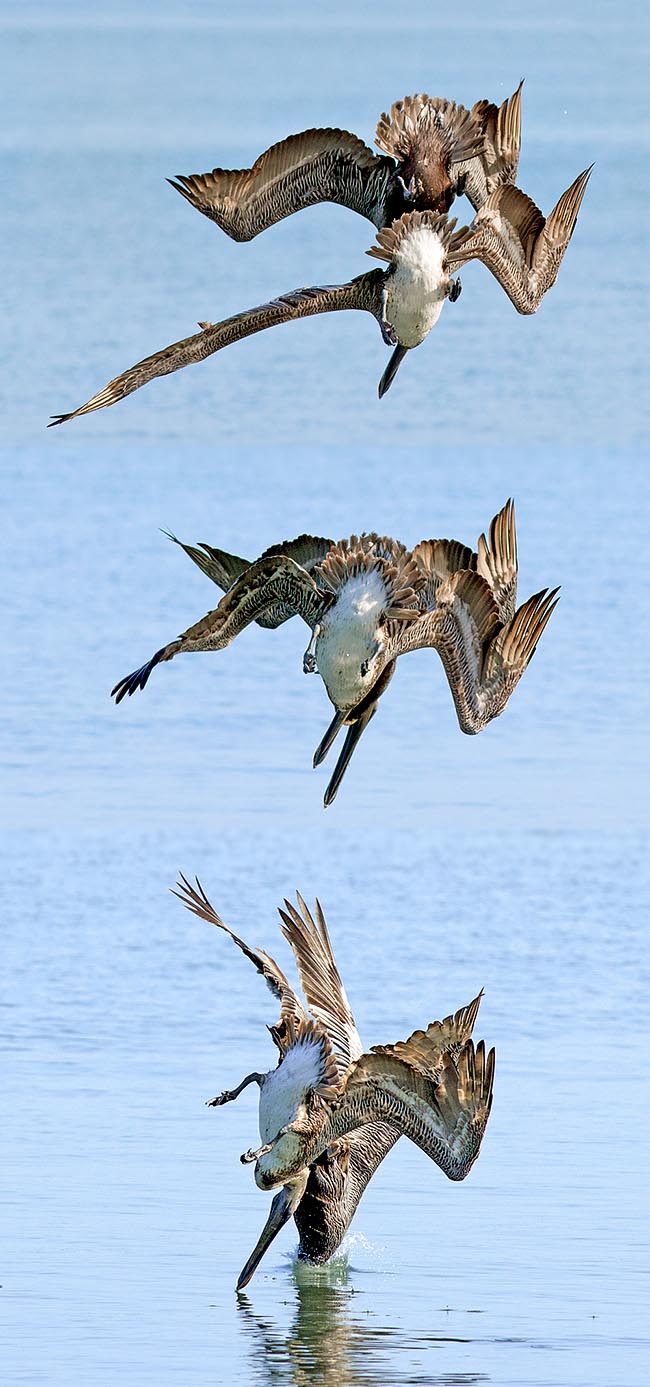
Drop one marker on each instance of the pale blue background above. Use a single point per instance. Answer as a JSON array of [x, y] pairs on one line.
[[517, 860]]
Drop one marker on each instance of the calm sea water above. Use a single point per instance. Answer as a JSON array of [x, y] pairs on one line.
[[516, 860]]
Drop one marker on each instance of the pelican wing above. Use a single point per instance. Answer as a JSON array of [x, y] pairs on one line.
[[221, 567], [523, 250], [315, 166], [482, 658], [363, 293], [320, 979], [224, 569], [498, 161], [272, 585], [445, 1113], [496, 560], [291, 1009], [425, 1049]]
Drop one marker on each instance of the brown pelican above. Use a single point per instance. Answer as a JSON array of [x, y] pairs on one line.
[[341, 1108], [432, 149], [369, 600]]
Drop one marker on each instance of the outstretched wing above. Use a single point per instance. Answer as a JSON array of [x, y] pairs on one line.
[[224, 569], [363, 293], [521, 248], [292, 1013], [498, 161], [274, 584], [445, 1113], [320, 979], [425, 1049], [315, 166], [482, 658]]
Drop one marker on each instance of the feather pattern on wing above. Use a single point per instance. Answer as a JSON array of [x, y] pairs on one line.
[[224, 569], [315, 166], [444, 1112], [498, 161], [522, 250], [363, 293], [292, 1013], [320, 978]]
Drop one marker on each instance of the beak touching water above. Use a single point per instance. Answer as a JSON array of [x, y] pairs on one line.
[[285, 1202]]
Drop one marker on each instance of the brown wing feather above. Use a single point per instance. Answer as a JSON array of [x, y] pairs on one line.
[[315, 166], [269, 591], [514, 646], [445, 1114], [292, 1014], [498, 162], [522, 250], [425, 1049], [497, 560], [320, 978], [362, 293]]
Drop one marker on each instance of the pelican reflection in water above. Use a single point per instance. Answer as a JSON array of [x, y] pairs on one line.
[[368, 600], [330, 1112]]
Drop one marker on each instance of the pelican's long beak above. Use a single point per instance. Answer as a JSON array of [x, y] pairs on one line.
[[392, 369], [330, 736], [285, 1201], [353, 735]]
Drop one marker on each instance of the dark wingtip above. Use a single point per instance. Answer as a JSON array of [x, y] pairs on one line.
[[59, 419], [138, 679]]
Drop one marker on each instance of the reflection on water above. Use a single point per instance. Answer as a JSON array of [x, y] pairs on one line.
[[331, 1342]]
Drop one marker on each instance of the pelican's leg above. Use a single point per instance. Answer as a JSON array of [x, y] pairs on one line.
[[301, 1129], [309, 665], [455, 289], [250, 1155], [230, 1093], [387, 331]]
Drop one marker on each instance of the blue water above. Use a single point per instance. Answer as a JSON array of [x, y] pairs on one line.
[[517, 860]]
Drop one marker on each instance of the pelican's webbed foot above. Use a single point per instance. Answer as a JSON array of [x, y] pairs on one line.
[[309, 665], [388, 334], [455, 290], [250, 1156], [229, 1094]]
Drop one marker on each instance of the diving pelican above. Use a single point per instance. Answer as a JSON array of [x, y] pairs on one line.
[[434, 149], [338, 1107], [368, 600]]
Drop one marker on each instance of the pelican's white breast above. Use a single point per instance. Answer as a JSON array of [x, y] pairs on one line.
[[348, 637], [285, 1088], [416, 291]]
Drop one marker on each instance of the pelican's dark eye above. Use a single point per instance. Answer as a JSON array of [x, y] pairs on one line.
[[364, 668]]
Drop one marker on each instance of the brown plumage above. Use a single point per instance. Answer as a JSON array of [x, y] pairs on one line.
[[368, 600], [435, 1087], [521, 248], [427, 136]]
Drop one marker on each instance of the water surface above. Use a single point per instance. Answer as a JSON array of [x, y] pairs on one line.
[[516, 860]]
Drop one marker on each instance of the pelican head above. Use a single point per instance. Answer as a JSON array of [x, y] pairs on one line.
[[348, 646]]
